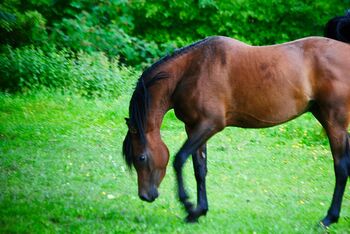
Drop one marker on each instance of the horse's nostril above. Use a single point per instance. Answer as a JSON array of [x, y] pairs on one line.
[[144, 197], [154, 194], [149, 197]]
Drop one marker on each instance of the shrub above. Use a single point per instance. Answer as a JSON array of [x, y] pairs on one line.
[[19, 29], [138, 32], [29, 68], [82, 33], [254, 21]]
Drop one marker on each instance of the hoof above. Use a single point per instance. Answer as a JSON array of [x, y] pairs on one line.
[[191, 219], [194, 214], [328, 220], [323, 226]]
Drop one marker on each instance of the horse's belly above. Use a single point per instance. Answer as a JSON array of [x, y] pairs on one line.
[[266, 112]]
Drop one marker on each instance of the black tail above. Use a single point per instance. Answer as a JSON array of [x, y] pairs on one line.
[[338, 28]]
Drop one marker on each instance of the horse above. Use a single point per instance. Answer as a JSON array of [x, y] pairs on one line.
[[338, 28], [219, 82]]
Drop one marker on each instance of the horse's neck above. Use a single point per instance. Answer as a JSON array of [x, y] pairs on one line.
[[162, 92], [159, 105]]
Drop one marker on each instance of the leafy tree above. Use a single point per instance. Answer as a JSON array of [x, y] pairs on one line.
[[138, 32], [255, 21], [21, 25]]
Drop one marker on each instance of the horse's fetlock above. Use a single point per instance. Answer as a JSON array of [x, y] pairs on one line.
[[183, 198], [332, 217], [188, 206], [204, 211]]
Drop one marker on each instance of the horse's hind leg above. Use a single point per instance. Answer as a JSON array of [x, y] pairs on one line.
[[335, 122], [340, 151]]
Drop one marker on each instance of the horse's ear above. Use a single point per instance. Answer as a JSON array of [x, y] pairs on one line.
[[132, 129]]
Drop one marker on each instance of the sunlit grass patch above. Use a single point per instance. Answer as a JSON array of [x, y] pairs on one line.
[[61, 170]]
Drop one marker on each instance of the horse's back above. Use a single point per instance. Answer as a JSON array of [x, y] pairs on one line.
[[281, 82], [261, 86]]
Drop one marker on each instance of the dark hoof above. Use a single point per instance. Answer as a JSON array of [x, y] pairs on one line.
[[323, 226], [326, 222], [191, 219], [194, 214]]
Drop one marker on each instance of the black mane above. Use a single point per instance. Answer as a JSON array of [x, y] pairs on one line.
[[140, 99]]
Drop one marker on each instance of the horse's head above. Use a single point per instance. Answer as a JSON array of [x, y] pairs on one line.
[[149, 156]]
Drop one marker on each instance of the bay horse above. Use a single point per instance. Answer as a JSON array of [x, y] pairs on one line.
[[219, 82]]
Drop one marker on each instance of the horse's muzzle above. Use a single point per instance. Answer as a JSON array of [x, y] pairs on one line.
[[150, 196]]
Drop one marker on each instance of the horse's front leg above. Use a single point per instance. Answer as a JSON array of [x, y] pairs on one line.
[[197, 137], [199, 159]]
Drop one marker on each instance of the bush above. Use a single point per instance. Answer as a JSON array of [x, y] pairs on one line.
[[139, 32], [82, 33], [258, 22], [17, 29], [86, 74]]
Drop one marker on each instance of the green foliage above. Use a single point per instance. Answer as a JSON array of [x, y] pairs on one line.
[[93, 74], [99, 34], [255, 21], [22, 28], [141, 31], [111, 39], [24, 22]]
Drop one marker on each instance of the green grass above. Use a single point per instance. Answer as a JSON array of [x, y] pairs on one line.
[[61, 170]]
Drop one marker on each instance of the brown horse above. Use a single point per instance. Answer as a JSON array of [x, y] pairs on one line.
[[219, 82]]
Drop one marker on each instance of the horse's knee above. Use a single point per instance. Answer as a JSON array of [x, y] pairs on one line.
[[179, 161]]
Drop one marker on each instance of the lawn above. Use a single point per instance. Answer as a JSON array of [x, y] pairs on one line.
[[61, 170]]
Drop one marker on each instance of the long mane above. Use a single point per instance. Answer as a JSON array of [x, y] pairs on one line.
[[141, 99]]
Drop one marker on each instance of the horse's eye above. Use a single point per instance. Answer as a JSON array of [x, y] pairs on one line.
[[142, 158]]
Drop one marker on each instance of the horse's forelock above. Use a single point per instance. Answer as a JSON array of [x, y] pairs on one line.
[[127, 150], [137, 119]]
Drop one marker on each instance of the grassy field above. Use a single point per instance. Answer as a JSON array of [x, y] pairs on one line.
[[61, 170]]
